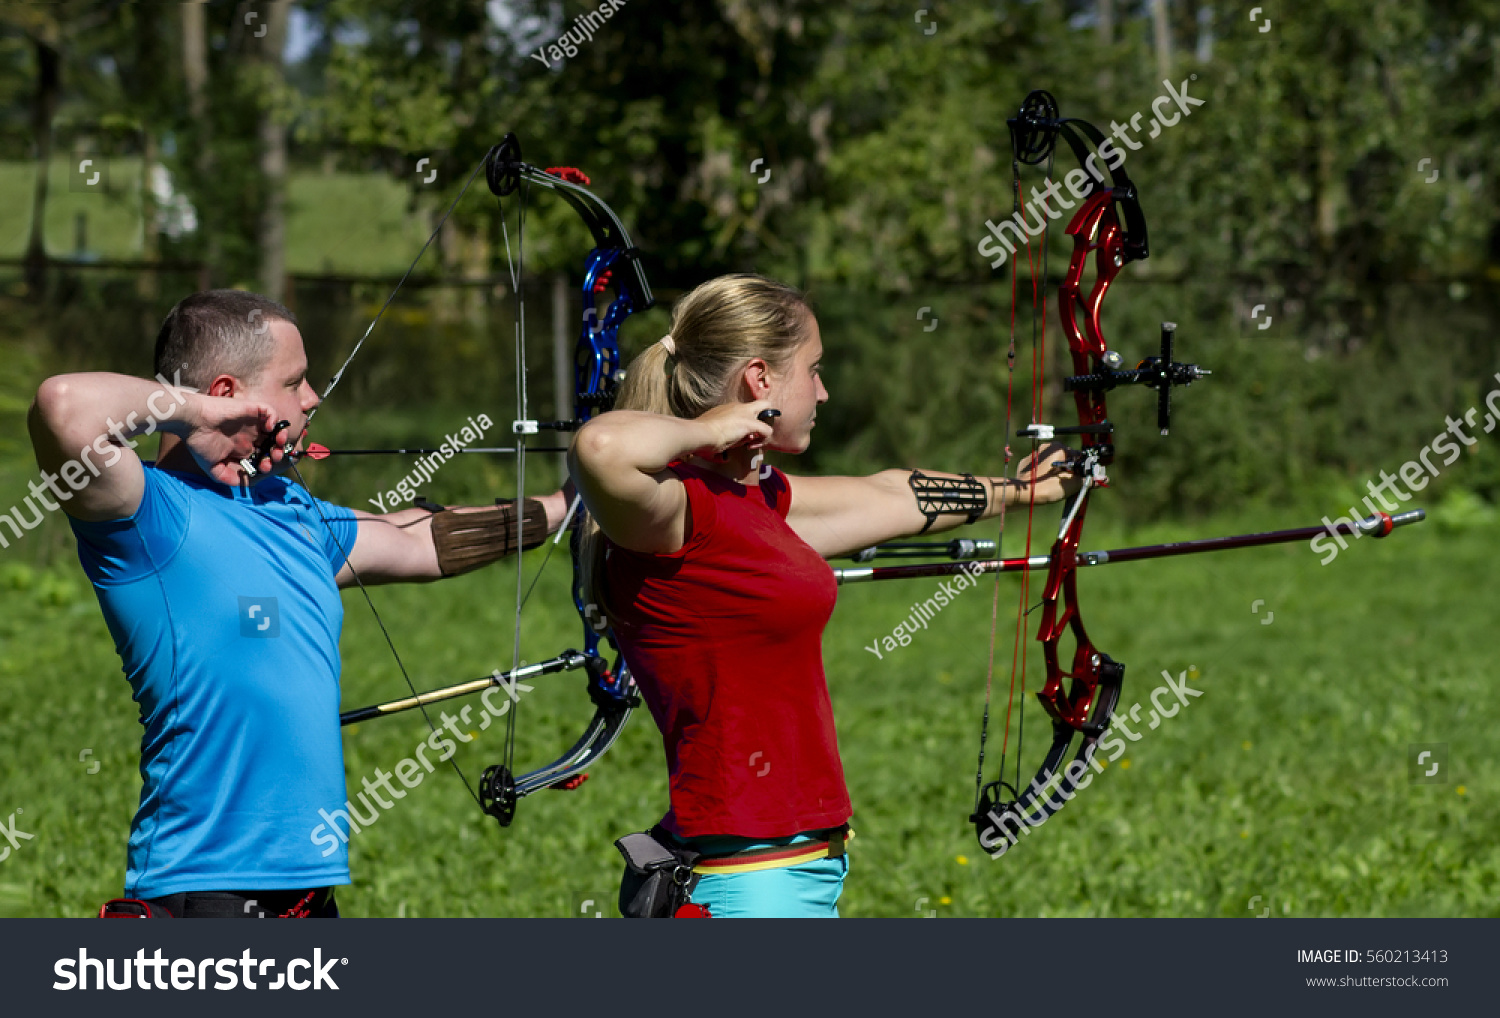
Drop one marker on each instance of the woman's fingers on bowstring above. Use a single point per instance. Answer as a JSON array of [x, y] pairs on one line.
[[739, 424]]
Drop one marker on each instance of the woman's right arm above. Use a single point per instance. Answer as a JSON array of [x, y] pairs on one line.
[[619, 462]]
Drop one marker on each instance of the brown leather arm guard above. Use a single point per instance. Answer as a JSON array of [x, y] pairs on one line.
[[469, 538]]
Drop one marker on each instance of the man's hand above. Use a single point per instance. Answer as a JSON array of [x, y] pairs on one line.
[[221, 432]]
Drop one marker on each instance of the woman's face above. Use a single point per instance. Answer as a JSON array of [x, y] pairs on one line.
[[796, 392]]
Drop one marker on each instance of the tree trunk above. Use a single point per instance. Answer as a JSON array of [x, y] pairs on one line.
[[1105, 15], [195, 74], [1162, 25], [43, 106], [272, 239], [146, 282]]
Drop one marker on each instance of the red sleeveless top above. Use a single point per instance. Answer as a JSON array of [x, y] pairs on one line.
[[724, 638]]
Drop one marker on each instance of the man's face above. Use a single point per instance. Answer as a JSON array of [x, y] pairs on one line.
[[283, 382]]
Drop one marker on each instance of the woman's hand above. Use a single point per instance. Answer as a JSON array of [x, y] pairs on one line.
[[1049, 470], [734, 424]]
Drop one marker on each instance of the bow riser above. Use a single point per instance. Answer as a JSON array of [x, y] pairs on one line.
[[1095, 229], [596, 365], [1060, 617]]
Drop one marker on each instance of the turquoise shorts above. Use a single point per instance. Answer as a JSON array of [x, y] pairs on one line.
[[808, 891]]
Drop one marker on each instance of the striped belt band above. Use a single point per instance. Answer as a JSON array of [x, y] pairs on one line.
[[778, 856]]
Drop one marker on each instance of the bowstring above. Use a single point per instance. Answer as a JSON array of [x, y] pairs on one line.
[[292, 463], [517, 269], [1038, 396], [452, 760], [1010, 388], [1019, 646]]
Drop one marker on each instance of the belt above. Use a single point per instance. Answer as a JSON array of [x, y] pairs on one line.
[[827, 845], [314, 903]]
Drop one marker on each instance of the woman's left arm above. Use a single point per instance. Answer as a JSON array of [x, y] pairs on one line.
[[837, 515]]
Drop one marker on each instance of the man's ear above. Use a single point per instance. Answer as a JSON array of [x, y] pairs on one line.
[[224, 387]]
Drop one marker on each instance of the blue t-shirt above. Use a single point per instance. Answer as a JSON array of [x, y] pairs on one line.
[[225, 613]]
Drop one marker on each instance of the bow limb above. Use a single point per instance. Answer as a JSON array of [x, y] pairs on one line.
[[614, 258]]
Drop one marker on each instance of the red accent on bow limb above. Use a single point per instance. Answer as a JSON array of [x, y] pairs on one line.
[[571, 174], [568, 784], [602, 282], [1095, 228], [691, 911]]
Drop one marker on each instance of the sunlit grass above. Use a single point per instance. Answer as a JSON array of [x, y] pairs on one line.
[[1287, 779]]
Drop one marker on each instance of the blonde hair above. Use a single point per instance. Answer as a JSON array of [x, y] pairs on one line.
[[717, 329]]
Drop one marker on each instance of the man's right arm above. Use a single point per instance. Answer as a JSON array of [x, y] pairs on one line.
[[83, 428]]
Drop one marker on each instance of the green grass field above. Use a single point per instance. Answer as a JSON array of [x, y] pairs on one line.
[[1287, 779], [336, 222]]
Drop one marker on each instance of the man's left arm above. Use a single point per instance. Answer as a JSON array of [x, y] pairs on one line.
[[418, 546]]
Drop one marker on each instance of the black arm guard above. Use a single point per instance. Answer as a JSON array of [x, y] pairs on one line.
[[938, 495]]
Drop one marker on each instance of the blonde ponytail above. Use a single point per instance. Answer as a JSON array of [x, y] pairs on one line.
[[717, 329]]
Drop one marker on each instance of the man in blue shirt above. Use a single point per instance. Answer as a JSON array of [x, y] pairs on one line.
[[219, 581]]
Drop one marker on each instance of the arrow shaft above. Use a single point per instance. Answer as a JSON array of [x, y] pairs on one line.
[[567, 661], [429, 452], [1371, 526]]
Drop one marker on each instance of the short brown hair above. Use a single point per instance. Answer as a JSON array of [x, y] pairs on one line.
[[217, 332]]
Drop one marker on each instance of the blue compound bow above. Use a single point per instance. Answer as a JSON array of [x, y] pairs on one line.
[[614, 260]]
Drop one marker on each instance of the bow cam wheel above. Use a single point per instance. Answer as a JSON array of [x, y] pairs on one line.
[[1033, 130], [504, 170]]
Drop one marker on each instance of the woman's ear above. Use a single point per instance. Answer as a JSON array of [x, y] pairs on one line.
[[757, 377]]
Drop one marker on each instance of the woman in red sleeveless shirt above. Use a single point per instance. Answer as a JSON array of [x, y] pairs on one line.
[[711, 569]]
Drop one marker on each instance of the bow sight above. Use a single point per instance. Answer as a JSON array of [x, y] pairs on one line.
[[1159, 373]]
